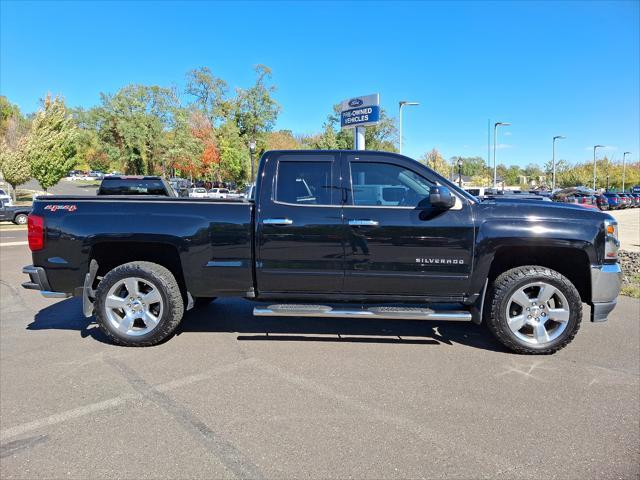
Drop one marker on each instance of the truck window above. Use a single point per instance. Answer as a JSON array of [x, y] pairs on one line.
[[132, 186], [385, 184], [304, 183]]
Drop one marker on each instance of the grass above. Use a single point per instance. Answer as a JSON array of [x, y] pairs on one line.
[[632, 289]]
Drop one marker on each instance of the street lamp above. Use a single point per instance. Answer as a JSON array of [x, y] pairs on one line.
[[495, 133], [460, 172], [252, 150], [595, 147], [624, 156], [553, 182], [401, 104]]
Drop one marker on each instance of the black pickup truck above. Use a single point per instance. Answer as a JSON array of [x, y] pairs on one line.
[[331, 234]]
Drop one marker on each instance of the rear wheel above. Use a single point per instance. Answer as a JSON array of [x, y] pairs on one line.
[[21, 219], [138, 304], [534, 310]]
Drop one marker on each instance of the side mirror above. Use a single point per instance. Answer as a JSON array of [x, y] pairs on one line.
[[440, 198]]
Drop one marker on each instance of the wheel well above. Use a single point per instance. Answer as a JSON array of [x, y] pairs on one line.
[[570, 262], [111, 254]]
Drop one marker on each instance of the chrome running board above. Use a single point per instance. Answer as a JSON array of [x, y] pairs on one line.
[[387, 313]]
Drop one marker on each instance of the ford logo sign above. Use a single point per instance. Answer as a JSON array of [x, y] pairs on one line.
[[355, 102]]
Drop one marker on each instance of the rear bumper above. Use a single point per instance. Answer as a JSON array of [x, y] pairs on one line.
[[606, 282], [38, 281]]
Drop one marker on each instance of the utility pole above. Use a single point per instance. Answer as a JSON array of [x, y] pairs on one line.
[[495, 134], [553, 184], [401, 105], [624, 156], [595, 147]]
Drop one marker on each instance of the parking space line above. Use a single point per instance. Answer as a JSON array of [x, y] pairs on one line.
[[114, 402], [13, 244]]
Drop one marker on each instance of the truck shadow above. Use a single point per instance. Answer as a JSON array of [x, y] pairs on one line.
[[235, 316]]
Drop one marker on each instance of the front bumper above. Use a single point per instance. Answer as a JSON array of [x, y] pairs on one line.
[[38, 281], [606, 282]]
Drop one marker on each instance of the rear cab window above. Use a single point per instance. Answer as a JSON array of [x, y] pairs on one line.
[[132, 186], [302, 180]]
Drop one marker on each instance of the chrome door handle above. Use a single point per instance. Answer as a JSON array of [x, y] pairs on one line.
[[364, 223], [277, 221]]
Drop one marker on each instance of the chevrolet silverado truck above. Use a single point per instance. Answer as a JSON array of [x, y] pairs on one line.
[[360, 234]]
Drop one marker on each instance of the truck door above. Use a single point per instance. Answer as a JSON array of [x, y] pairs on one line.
[[392, 246], [299, 230]]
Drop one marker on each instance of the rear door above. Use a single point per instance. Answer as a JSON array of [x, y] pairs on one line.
[[392, 247], [299, 246]]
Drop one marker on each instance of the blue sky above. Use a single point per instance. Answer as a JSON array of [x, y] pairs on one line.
[[549, 68]]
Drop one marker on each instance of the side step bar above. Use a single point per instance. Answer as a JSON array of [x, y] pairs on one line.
[[387, 313]]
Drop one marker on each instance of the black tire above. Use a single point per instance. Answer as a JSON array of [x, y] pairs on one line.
[[21, 219], [507, 284], [173, 305], [202, 302]]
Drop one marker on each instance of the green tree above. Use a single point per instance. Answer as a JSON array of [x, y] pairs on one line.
[[255, 110], [471, 166], [512, 175], [435, 161], [234, 154], [132, 126], [51, 144], [14, 165], [209, 93]]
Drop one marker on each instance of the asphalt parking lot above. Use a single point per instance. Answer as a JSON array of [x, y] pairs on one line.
[[232, 396]]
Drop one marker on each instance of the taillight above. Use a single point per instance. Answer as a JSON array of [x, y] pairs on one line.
[[35, 232], [583, 200]]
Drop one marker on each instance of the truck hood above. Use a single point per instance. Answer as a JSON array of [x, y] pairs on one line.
[[538, 210]]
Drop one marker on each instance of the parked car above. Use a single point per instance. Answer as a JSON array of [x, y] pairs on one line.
[[577, 196], [626, 201], [198, 192], [135, 185], [631, 200], [218, 193], [614, 200], [636, 196], [311, 242], [96, 174], [10, 213], [602, 202], [249, 191], [6, 198]]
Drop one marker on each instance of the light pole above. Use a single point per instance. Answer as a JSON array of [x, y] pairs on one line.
[[460, 172], [624, 156], [595, 147], [495, 134], [401, 104], [553, 182], [252, 150]]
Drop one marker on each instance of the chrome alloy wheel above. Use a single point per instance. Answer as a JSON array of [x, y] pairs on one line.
[[538, 313], [134, 306]]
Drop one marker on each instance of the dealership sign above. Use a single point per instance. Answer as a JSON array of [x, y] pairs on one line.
[[360, 111]]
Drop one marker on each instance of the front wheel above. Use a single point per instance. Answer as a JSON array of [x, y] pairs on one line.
[[138, 304], [21, 219], [533, 310]]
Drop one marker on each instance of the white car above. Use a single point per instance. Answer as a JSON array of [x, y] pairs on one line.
[[218, 193], [198, 193]]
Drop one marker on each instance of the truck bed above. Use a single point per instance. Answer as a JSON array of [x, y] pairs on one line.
[[209, 240]]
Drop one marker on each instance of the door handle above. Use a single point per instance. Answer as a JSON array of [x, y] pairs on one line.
[[364, 223], [277, 221]]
